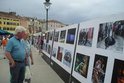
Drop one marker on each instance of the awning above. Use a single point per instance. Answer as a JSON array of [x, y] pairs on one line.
[[3, 32]]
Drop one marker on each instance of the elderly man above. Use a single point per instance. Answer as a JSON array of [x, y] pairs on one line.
[[16, 54]]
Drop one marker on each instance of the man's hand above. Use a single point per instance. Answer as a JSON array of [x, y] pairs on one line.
[[12, 64], [32, 62]]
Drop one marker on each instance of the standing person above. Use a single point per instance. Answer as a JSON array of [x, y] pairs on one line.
[[42, 41], [28, 53], [16, 55], [41, 44], [4, 42], [1, 38]]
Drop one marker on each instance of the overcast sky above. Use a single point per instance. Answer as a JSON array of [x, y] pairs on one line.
[[65, 11]]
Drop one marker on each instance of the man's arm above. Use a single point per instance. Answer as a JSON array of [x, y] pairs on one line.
[[9, 57]]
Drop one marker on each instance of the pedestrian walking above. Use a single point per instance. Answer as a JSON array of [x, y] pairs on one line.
[[28, 55], [16, 55], [4, 42]]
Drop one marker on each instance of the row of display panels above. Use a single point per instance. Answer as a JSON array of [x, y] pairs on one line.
[[99, 53]]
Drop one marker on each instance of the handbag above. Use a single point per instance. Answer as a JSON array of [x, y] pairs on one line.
[[27, 73]]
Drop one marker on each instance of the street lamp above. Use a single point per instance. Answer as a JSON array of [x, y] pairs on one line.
[[47, 6]]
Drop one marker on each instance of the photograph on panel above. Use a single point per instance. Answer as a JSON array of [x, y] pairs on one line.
[[71, 36], [49, 49], [56, 36], [111, 36], [81, 64], [86, 37], [99, 69], [44, 46], [67, 57], [54, 52], [118, 71], [60, 53], [47, 37], [51, 35], [62, 36]]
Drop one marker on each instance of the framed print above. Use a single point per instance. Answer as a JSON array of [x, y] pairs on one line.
[[81, 64], [118, 71], [111, 36], [99, 69]]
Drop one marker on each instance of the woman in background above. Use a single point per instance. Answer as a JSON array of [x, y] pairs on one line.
[[28, 53]]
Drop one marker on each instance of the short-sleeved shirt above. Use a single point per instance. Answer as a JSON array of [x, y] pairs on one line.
[[16, 49]]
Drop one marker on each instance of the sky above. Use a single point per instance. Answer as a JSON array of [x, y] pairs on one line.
[[65, 11]]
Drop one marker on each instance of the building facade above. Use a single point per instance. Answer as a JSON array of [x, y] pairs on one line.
[[8, 21], [53, 24]]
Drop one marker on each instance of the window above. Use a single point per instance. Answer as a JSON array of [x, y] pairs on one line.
[[10, 28], [4, 28], [8, 23], [7, 28]]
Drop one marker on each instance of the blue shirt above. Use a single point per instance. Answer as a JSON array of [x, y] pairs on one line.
[[16, 49]]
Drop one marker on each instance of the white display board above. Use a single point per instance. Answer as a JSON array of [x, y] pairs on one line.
[[99, 56], [98, 52], [63, 47]]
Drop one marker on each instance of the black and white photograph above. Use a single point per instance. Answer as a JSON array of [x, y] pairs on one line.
[[118, 71], [67, 58], [86, 37], [49, 49], [81, 64], [47, 37], [111, 36], [56, 36], [99, 69], [71, 36], [51, 35], [62, 36]]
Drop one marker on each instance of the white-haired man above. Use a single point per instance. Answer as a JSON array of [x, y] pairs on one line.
[[16, 54]]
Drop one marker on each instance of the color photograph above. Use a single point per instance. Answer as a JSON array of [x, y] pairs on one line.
[[62, 36], [81, 64], [54, 52], [71, 36], [60, 53], [111, 36], [118, 71], [44, 46], [67, 58], [99, 69], [86, 37]]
